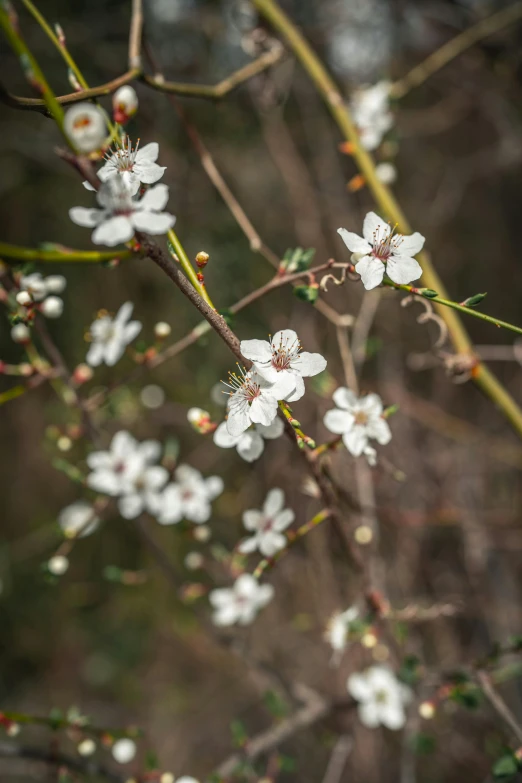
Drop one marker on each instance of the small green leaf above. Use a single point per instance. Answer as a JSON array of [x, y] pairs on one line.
[[307, 293], [239, 733], [151, 760], [428, 292], [475, 300], [468, 696], [55, 718], [296, 260], [505, 767]]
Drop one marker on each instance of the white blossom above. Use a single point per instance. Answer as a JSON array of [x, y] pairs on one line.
[[380, 250], [381, 697], [52, 307], [58, 565], [110, 336], [281, 362], [267, 525], [20, 333], [188, 497], [253, 400], [338, 629], [124, 750], [142, 492], [386, 172], [86, 127], [115, 470], [35, 285], [251, 443], [371, 113], [86, 747], [23, 298], [241, 602], [55, 284], [135, 166], [78, 520], [121, 215], [124, 103], [358, 420]]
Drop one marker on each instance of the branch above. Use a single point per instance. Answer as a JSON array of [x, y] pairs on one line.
[[136, 27], [499, 705], [83, 766], [455, 47], [62, 255]]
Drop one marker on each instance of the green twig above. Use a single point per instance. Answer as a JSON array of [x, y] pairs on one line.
[[189, 270], [27, 254]]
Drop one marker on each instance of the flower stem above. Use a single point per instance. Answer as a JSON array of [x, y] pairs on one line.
[[60, 256], [33, 73], [302, 439], [187, 267], [291, 538], [384, 197], [455, 305]]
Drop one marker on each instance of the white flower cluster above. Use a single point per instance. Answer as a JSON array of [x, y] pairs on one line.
[[110, 336], [381, 696], [41, 292], [122, 211], [241, 602], [128, 471], [251, 443], [278, 370], [371, 113], [358, 420], [380, 250]]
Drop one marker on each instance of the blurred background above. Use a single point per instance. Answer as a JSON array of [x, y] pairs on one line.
[[445, 497]]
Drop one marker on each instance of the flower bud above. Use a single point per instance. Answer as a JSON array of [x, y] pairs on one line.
[[200, 420], [363, 534], [202, 259], [13, 729], [24, 298], [167, 777], [386, 173], [202, 533], [124, 750], [55, 284], [82, 374], [52, 307], [427, 710], [124, 104], [162, 330], [20, 333], [58, 565], [85, 126], [194, 561], [86, 747]]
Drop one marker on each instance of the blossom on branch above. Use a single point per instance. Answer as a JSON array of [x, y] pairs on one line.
[[358, 420], [86, 127], [371, 113], [188, 497], [78, 520], [380, 250], [124, 103], [337, 632], [281, 362], [121, 215], [253, 400], [241, 602], [381, 696], [267, 525], [251, 443], [135, 166], [111, 336]]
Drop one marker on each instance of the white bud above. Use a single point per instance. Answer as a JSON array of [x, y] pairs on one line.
[[167, 777], [58, 565], [386, 173], [86, 747], [64, 443], [13, 730], [162, 330], [34, 284], [427, 710], [124, 103], [85, 125], [20, 333], [202, 533], [78, 519], [52, 307], [24, 298], [55, 284], [194, 561], [124, 750]]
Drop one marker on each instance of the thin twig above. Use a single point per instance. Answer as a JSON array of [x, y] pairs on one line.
[[499, 705], [83, 766], [136, 26]]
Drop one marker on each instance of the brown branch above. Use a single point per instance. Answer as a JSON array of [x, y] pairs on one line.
[[499, 705], [136, 27]]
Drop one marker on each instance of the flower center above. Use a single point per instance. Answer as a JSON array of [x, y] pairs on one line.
[[244, 384], [124, 157], [187, 494], [82, 122], [283, 354], [385, 246], [361, 418], [381, 696]]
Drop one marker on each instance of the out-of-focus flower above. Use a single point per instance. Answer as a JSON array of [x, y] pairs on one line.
[[338, 629], [358, 420], [20, 333], [35, 288], [121, 215], [381, 697], [35, 285], [188, 497], [55, 284], [52, 307], [111, 336], [386, 172], [252, 401], [124, 104], [380, 250], [78, 520], [281, 362], [371, 113], [85, 126], [113, 471], [267, 525], [152, 396], [200, 420], [162, 330], [58, 565], [86, 747], [135, 166], [250, 444], [123, 750], [241, 602]]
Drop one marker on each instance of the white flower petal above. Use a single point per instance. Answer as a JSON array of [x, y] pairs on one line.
[[248, 545], [95, 354], [251, 445], [411, 245], [149, 152], [263, 410], [113, 231], [155, 198], [344, 398], [272, 431], [283, 519], [371, 271], [256, 350], [131, 506], [271, 543], [252, 518], [402, 269], [131, 331], [152, 223], [214, 486], [338, 421], [86, 217], [370, 714], [148, 173], [238, 419], [309, 364], [356, 440], [274, 502], [374, 226], [354, 242], [359, 686], [224, 439], [379, 429]]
